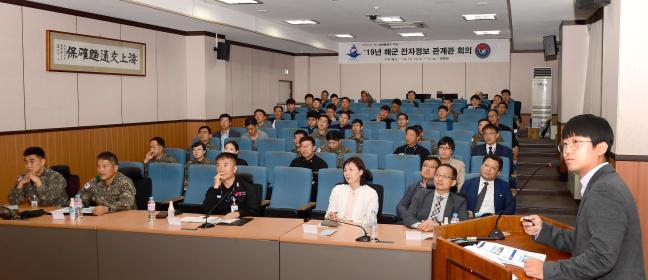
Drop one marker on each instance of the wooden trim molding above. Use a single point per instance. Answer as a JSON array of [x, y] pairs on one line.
[[635, 158]]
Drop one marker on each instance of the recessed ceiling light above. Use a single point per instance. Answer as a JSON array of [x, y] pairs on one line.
[[481, 3], [391, 19], [480, 17], [412, 34], [487, 32], [301, 21], [262, 11], [343, 35], [238, 2]]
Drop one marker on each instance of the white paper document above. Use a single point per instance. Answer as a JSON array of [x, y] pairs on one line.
[[66, 210], [418, 235], [504, 254], [211, 220]]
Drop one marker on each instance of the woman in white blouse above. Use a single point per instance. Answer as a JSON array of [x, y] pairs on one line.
[[354, 200]]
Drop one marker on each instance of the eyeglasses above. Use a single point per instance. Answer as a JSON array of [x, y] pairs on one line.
[[443, 177], [574, 144]]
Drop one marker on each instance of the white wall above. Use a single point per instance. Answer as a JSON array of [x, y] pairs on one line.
[[12, 99], [574, 44]]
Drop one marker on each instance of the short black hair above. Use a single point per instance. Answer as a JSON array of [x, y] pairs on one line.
[[444, 107], [308, 95], [493, 110], [447, 98], [260, 110], [312, 114], [324, 116], [483, 120], [402, 114], [355, 121], [490, 126], [290, 101], [331, 106], [226, 155], [454, 170], [250, 121], [37, 151], [366, 174], [236, 146], [385, 108], [300, 131], [109, 157], [199, 144], [447, 140], [411, 91], [503, 103], [317, 99], [496, 95], [505, 90], [494, 157], [346, 98], [334, 95], [475, 96], [277, 106], [307, 138], [159, 140], [345, 113], [416, 128], [323, 91], [333, 135], [432, 158], [225, 116], [596, 128], [397, 101], [205, 127]]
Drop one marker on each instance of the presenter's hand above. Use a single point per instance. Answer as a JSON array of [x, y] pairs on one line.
[[533, 268], [531, 224]]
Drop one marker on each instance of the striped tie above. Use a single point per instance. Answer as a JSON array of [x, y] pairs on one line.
[[480, 197], [436, 209]]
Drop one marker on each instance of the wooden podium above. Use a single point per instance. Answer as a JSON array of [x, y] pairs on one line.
[[452, 261]]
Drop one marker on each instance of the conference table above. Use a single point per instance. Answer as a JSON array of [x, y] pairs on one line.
[[123, 245]]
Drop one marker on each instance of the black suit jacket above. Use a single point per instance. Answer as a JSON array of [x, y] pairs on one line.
[[606, 243], [421, 206], [232, 133]]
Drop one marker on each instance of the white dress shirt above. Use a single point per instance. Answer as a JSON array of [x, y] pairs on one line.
[[366, 201], [488, 148], [488, 205], [585, 180]]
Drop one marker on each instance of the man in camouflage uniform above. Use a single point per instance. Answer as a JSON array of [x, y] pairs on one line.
[[333, 145], [156, 153], [205, 137], [110, 190], [47, 185], [198, 151]]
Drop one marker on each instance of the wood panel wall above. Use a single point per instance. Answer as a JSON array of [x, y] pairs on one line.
[[78, 148]]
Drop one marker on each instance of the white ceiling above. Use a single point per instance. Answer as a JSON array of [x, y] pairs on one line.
[[531, 19]]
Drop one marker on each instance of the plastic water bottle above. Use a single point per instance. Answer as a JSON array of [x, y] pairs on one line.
[[455, 218], [34, 201], [151, 210], [373, 224], [78, 207], [72, 213], [171, 211]]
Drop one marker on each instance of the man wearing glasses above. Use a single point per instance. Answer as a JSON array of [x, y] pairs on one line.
[[606, 243], [486, 194], [491, 147]]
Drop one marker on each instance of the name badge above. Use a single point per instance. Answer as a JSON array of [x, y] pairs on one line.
[[234, 208]]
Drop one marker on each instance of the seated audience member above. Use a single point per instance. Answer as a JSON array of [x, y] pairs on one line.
[[383, 116], [198, 151], [430, 207], [324, 97], [365, 97], [487, 194], [343, 123], [330, 112], [156, 154], [333, 145], [442, 113], [237, 196], [502, 109], [411, 146], [253, 132], [233, 148], [297, 136], [262, 118], [493, 117], [506, 96], [322, 129], [395, 106], [111, 190], [491, 147], [357, 134], [335, 100], [317, 107], [47, 186], [311, 118], [411, 98], [475, 103], [276, 116], [354, 200], [225, 131], [290, 108], [308, 99], [346, 106], [402, 120], [309, 160], [428, 168], [479, 136], [447, 101], [497, 99], [446, 150], [204, 137]]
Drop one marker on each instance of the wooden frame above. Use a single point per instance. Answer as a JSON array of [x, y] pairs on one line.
[[131, 55]]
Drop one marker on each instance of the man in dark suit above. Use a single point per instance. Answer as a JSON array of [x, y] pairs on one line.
[[225, 131], [430, 164], [486, 194], [606, 243], [490, 146], [431, 206]]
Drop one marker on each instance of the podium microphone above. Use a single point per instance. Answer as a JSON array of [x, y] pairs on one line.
[[333, 223], [207, 225], [496, 233]]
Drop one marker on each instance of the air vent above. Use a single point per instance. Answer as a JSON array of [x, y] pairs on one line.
[[403, 25], [541, 72]]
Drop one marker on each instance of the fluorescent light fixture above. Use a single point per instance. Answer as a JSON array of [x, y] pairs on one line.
[[480, 17], [391, 19], [238, 2], [487, 32], [343, 35], [301, 21], [412, 34]]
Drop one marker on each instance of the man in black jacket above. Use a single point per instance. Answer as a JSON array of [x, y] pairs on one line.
[[238, 196]]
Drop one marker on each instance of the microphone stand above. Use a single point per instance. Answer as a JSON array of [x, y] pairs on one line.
[[364, 238], [496, 233], [207, 225]]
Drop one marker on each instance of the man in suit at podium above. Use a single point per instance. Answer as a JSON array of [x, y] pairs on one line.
[[607, 241]]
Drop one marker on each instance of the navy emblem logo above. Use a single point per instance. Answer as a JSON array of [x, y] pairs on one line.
[[482, 50], [353, 53]]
